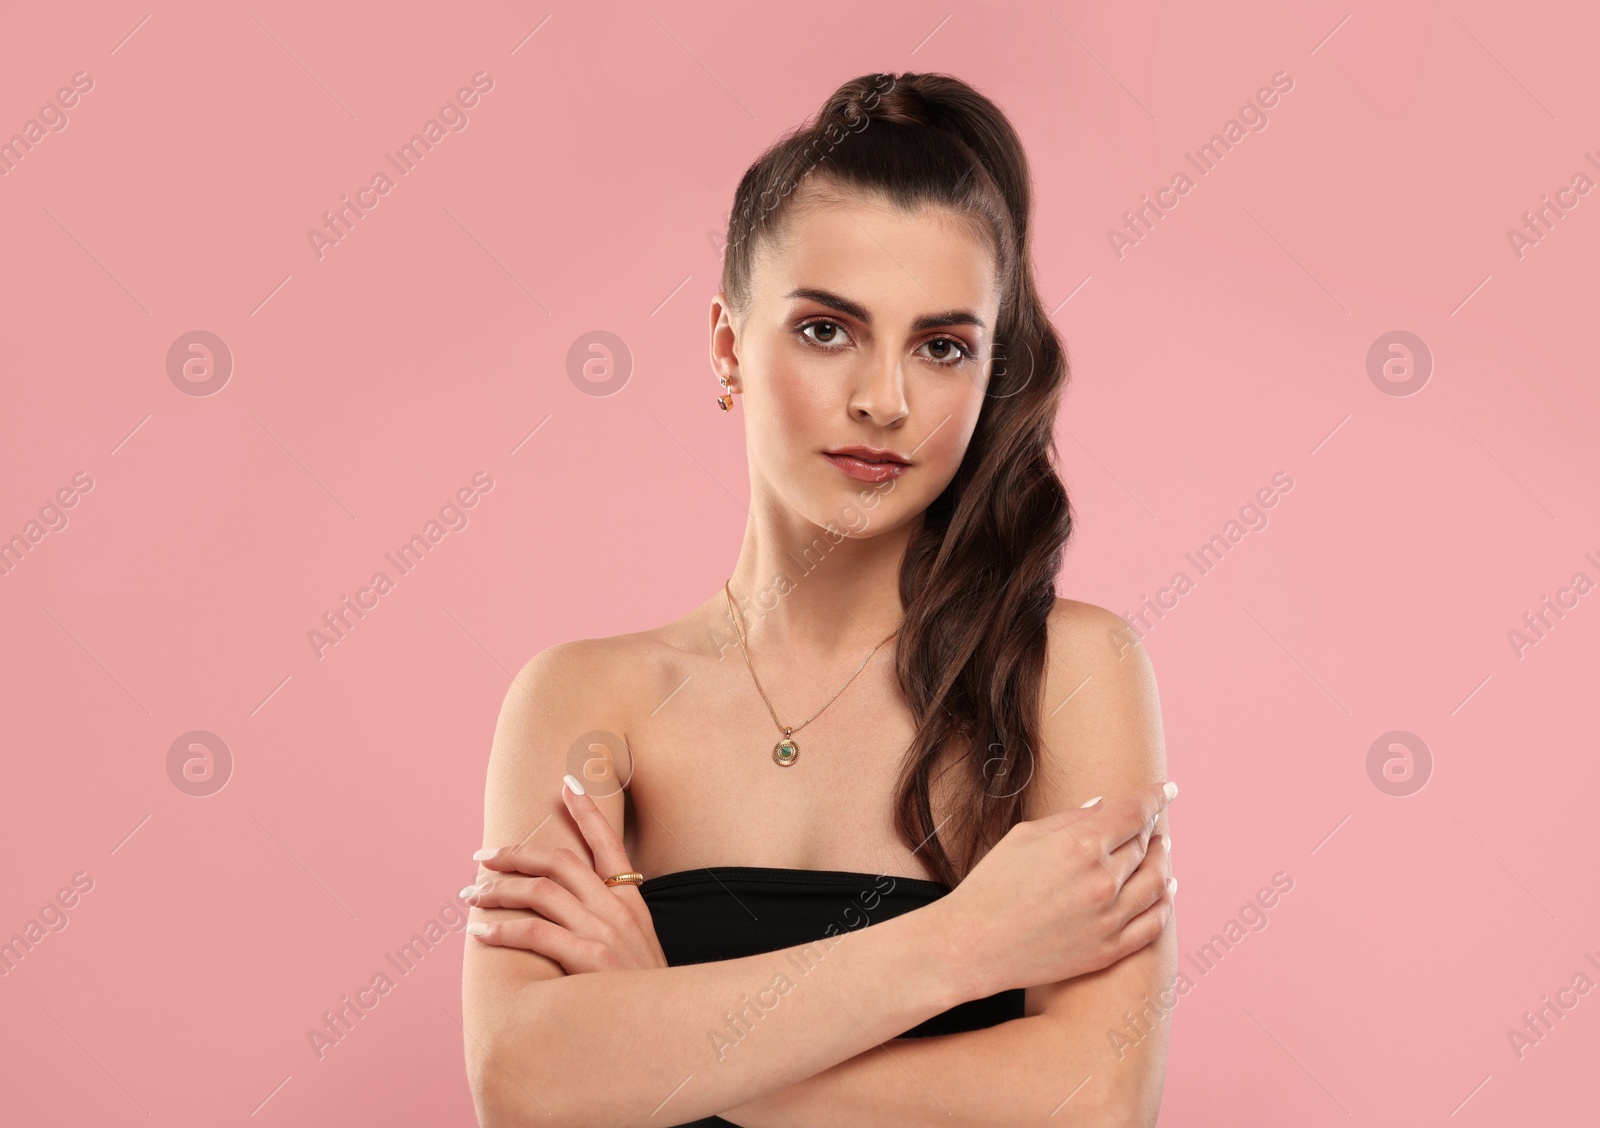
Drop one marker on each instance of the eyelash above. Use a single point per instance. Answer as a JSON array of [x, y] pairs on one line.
[[965, 353]]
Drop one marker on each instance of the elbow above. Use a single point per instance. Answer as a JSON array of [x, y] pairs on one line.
[[486, 1080], [1123, 1110], [506, 1099], [500, 1098]]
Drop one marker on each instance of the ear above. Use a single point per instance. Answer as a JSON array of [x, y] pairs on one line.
[[724, 342]]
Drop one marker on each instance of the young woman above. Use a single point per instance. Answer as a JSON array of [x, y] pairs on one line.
[[818, 852]]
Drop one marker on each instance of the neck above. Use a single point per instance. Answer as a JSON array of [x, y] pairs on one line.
[[801, 588]]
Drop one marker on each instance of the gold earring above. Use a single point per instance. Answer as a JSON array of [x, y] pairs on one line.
[[725, 400]]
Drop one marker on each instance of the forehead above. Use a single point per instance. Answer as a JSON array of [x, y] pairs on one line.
[[891, 261]]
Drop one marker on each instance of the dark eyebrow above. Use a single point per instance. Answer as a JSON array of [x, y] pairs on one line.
[[859, 312]]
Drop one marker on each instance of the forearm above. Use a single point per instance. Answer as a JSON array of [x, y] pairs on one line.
[[662, 1046], [1015, 1073], [1085, 1064]]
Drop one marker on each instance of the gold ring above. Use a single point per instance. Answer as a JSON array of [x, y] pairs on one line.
[[625, 879]]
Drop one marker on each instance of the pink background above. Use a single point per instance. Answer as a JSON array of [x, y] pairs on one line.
[[587, 192]]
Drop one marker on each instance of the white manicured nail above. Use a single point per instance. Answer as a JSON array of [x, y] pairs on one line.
[[486, 852], [1171, 790], [467, 891], [572, 782], [1093, 801], [477, 928]]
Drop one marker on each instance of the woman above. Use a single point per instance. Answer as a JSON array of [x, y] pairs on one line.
[[818, 852]]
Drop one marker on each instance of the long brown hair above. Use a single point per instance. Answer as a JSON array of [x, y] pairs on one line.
[[978, 581]]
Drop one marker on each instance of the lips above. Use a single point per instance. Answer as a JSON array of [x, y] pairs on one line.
[[868, 464]]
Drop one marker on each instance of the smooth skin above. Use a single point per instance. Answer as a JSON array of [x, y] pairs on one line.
[[571, 1016]]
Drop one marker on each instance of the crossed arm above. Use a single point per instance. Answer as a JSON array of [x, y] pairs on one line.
[[629, 1047], [1095, 1045]]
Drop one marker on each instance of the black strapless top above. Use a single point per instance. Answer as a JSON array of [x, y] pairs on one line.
[[726, 912]]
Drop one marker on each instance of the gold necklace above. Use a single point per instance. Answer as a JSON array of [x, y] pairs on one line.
[[786, 751]]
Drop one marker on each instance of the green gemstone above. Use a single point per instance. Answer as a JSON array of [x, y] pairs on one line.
[[785, 752]]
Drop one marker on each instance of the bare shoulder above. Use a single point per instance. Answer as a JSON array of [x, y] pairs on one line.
[[560, 715], [1100, 711], [568, 690]]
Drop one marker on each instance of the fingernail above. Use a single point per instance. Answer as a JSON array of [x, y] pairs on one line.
[[1172, 886], [477, 928], [467, 891], [1171, 790], [1093, 801], [572, 782], [486, 852], [1166, 840]]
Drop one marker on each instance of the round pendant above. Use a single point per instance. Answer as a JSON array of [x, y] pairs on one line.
[[785, 752]]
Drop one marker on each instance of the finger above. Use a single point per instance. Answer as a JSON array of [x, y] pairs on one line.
[[1147, 927], [1134, 815], [543, 895], [534, 935], [1120, 830], [605, 845], [563, 865], [1146, 886]]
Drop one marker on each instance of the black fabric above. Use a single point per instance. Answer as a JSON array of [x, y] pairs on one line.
[[726, 912]]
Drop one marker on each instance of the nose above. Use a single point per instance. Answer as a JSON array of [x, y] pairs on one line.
[[879, 396]]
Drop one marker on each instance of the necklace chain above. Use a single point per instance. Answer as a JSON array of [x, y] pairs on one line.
[[788, 730]]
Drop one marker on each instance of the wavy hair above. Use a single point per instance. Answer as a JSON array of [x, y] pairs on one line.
[[978, 581]]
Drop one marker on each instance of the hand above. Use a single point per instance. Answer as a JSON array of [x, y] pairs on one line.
[[1064, 895], [576, 919]]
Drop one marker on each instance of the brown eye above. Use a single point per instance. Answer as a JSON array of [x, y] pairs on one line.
[[950, 352], [829, 332]]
